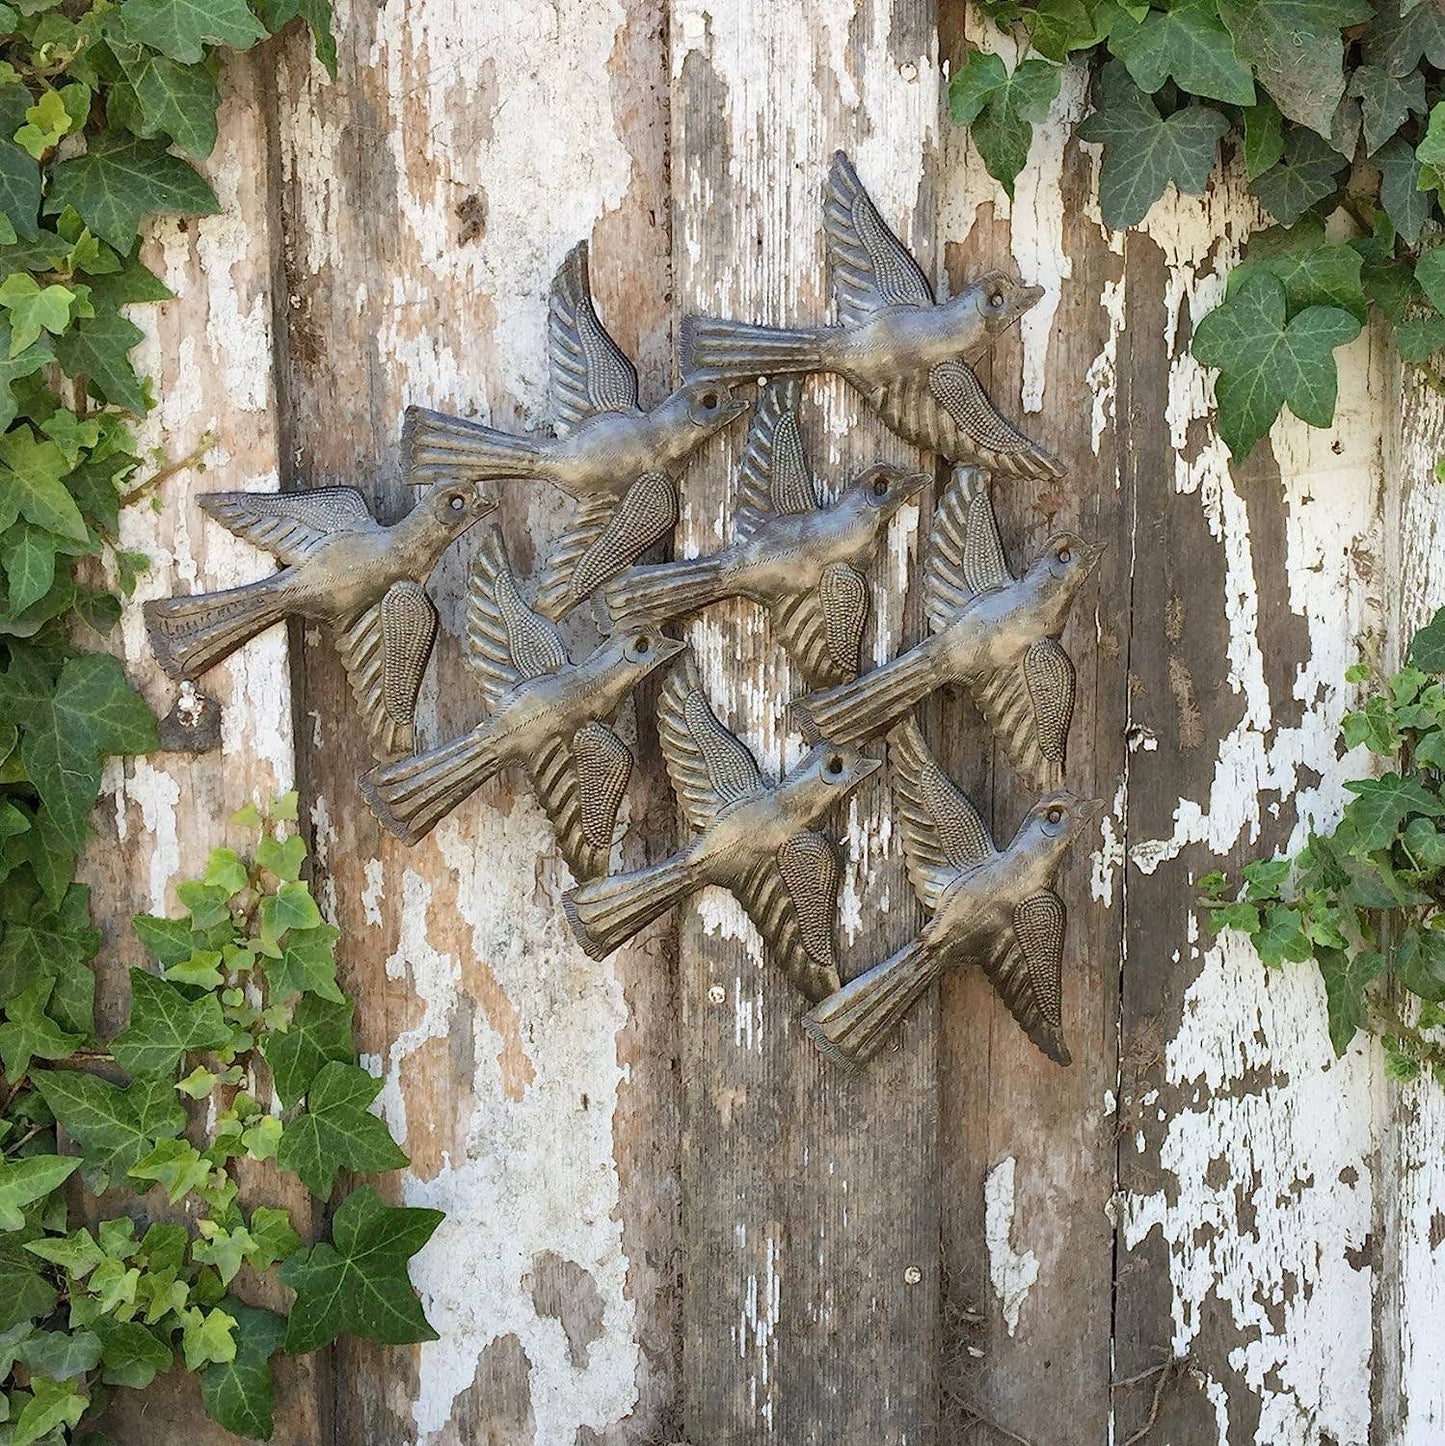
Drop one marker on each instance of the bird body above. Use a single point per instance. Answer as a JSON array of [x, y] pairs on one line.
[[792, 554], [340, 568], [756, 839], [989, 907], [994, 632], [617, 461], [546, 715], [906, 353]]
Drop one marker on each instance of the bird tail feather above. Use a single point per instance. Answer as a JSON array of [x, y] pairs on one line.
[[191, 634], [850, 1025], [435, 445], [667, 590], [741, 350], [413, 795], [857, 711], [605, 913]]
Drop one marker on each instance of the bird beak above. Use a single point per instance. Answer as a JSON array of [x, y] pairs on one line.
[[914, 484], [667, 649], [1026, 298], [1091, 808], [1096, 551], [868, 765]]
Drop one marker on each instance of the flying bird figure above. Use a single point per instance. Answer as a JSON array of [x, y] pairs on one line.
[[754, 838], [997, 633], [990, 907], [906, 353], [340, 567], [617, 461], [799, 558], [546, 716]]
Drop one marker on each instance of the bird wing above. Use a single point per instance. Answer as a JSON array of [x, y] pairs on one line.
[[708, 767], [554, 779], [507, 642], [290, 525], [943, 836], [965, 556], [384, 650], [792, 900], [774, 475], [604, 766], [590, 374], [1029, 706], [870, 266], [1027, 971], [605, 537], [994, 440], [823, 629]]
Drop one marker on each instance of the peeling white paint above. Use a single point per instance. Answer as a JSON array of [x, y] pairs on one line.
[[1011, 1272]]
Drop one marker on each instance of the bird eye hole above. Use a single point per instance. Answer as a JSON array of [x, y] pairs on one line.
[[710, 401], [642, 644], [880, 487], [996, 300], [1055, 814], [833, 765], [1065, 554], [456, 502]]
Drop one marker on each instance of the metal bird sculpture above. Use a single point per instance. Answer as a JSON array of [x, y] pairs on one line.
[[756, 839], [906, 353], [616, 460], [997, 633], [340, 567], [988, 907], [795, 556], [546, 716]]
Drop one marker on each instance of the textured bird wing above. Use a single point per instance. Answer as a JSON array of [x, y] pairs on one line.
[[554, 780], [823, 629], [870, 266], [1029, 707], [1027, 971], [290, 525], [604, 766], [605, 537], [774, 475], [590, 374], [991, 437], [708, 767], [384, 650], [507, 642], [943, 836], [965, 555], [792, 901]]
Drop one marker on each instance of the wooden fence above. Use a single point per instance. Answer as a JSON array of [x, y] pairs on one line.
[[667, 1219]]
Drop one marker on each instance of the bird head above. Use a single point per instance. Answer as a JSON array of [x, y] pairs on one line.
[[883, 489], [623, 660], [1057, 819], [1068, 560], [457, 505], [710, 404], [825, 775], [1000, 299]]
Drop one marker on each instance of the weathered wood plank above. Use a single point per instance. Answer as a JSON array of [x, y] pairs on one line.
[[810, 1223]]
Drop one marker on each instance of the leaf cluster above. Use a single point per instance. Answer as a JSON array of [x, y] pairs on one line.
[[1364, 901], [1335, 111]]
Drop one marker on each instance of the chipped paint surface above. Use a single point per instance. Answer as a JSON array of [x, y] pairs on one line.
[[1011, 1271]]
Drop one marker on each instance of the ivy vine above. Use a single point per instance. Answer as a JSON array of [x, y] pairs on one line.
[[1336, 111], [239, 1042]]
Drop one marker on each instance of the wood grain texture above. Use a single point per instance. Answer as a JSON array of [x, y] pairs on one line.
[[810, 1224]]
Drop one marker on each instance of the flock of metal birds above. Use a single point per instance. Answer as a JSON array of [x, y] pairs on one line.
[[797, 555]]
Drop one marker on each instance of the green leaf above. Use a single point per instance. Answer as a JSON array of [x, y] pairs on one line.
[[59, 1354], [1312, 271], [182, 29], [29, 1032], [282, 857], [31, 486], [100, 348], [1418, 338], [1401, 36], [1405, 204], [225, 871], [20, 184], [206, 1336], [76, 1254], [1001, 108], [1263, 137], [114, 1126], [16, 368], [1143, 152], [358, 1282], [1346, 977], [165, 1024], [170, 940], [133, 1356], [28, 555], [317, 14], [273, 1237], [1185, 41], [1427, 647], [1281, 936], [177, 100], [1383, 804], [240, 1394], [34, 308], [53, 1404], [1307, 174], [1386, 102], [25, 1294], [176, 1165], [200, 971], [120, 180], [23, 1182], [336, 1131], [46, 121], [1295, 49], [319, 1032], [307, 965], [1266, 362]]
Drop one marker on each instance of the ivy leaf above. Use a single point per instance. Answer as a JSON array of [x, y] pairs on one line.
[[170, 940], [1382, 806], [273, 1237], [1401, 36], [28, 555], [28, 1032], [206, 1336], [1386, 102], [76, 1254], [240, 1394], [1263, 137], [164, 1024], [1265, 362], [1187, 42], [34, 308], [1407, 206], [1346, 977], [99, 348], [20, 184], [1295, 49], [114, 1126], [176, 1165], [60, 1354], [358, 1282], [31, 486], [120, 180], [23, 1182], [1001, 109], [307, 965], [56, 945], [52, 1404], [1427, 647], [16, 368], [1144, 152], [1312, 271], [177, 100], [1418, 338], [282, 857], [319, 1032], [182, 29], [1307, 174], [133, 1356], [336, 1131], [1281, 936], [25, 1294], [317, 14]]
